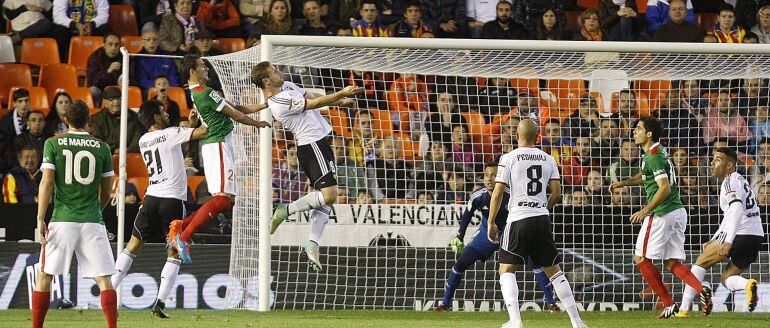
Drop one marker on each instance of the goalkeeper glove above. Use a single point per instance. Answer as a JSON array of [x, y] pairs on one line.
[[457, 245]]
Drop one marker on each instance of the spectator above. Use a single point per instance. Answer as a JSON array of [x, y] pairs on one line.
[[504, 27], [626, 165], [387, 173], [148, 68], [526, 105], [105, 124], [290, 179], [425, 198], [750, 37], [619, 19], [554, 144], [495, 98], [276, 21], [627, 110], [445, 116], [55, 123], [658, 14], [20, 185], [760, 125], [35, 135], [253, 11], [407, 92], [508, 138], [680, 158], [369, 25], [342, 194], [447, 17], [28, 18], [161, 85], [348, 172], [463, 151], [692, 97], [177, 30], [584, 121], [412, 25], [478, 12], [105, 66], [723, 120], [681, 123], [220, 17], [204, 45], [594, 188], [607, 141], [678, 28], [364, 197], [762, 27], [749, 95], [577, 167], [709, 38], [746, 11], [151, 12], [621, 197], [428, 171], [579, 198], [373, 86], [726, 31], [591, 30], [73, 18], [549, 27], [366, 141], [759, 173], [14, 123], [315, 25], [344, 31], [763, 195], [529, 12], [456, 191]]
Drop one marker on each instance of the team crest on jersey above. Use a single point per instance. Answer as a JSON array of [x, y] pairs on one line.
[[215, 95], [332, 167], [296, 102]]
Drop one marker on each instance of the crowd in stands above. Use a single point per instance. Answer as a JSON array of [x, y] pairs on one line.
[[410, 138]]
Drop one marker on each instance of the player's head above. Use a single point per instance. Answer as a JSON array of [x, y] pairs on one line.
[[77, 115], [526, 133], [647, 129], [152, 113], [490, 172], [194, 70], [265, 75], [723, 162]]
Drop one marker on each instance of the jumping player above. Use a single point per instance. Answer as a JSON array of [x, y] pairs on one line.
[[161, 148], [481, 249], [665, 219], [77, 174], [740, 234]]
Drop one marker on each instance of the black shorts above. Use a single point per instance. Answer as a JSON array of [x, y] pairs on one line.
[[155, 215], [745, 250], [530, 237], [317, 161]]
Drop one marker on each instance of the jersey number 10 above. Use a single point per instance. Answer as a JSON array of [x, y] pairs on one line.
[[73, 166]]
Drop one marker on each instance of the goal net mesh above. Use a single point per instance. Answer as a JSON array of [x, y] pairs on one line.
[[410, 155]]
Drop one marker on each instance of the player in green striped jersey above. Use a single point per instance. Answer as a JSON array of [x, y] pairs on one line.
[[664, 219]]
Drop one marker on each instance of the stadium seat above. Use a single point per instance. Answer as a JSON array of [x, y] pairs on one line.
[[141, 184], [641, 6], [57, 76], [193, 182], [6, 50], [657, 90], [588, 3], [134, 165], [81, 48], [39, 51], [84, 94], [174, 93], [533, 85], [132, 43], [567, 92], [477, 126], [573, 18], [134, 97], [14, 75], [38, 98], [123, 20], [228, 45], [409, 149], [339, 121]]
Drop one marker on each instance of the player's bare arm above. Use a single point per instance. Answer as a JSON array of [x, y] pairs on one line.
[[45, 191], [632, 181], [200, 131], [494, 207], [105, 190], [248, 109], [344, 102], [333, 98], [555, 196], [242, 118], [664, 189]]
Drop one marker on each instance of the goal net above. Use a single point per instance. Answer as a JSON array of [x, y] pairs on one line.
[[412, 151]]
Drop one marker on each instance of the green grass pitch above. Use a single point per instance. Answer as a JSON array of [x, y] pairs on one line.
[[367, 318]]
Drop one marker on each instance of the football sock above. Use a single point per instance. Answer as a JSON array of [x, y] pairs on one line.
[[40, 302], [205, 214], [466, 259], [168, 277], [110, 307], [122, 264], [451, 285], [683, 272], [313, 199], [318, 219], [736, 283], [543, 282], [564, 291], [689, 292], [655, 281], [511, 295]]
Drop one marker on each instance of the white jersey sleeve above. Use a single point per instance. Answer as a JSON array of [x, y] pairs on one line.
[[179, 135], [287, 102], [741, 213], [527, 172], [290, 108]]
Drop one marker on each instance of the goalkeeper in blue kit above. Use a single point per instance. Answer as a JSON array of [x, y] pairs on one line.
[[480, 248]]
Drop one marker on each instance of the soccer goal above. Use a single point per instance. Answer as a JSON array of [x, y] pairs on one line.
[[413, 149]]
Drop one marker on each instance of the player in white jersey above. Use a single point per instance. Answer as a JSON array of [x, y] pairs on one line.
[[290, 105], [740, 234], [529, 173], [164, 200]]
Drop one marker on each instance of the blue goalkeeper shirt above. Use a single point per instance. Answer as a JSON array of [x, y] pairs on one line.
[[480, 200]]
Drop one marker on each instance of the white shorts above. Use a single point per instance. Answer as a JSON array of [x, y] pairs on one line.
[[89, 243], [219, 166], [662, 237]]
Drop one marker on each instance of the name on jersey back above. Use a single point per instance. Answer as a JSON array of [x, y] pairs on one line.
[[78, 142], [153, 142], [530, 157]]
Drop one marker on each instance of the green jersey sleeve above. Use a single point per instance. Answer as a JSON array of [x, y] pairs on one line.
[[657, 167], [107, 169], [49, 154]]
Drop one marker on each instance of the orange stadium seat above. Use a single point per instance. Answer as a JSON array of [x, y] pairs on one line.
[[532, 84], [641, 6], [339, 121], [81, 48], [193, 182], [657, 90], [39, 51], [228, 45], [84, 94], [567, 92], [122, 20], [13, 75], [57, 76], [134, 165], [588, 3], [477, 126], [132, 43], [134, 97], [409, 149], [573, 18], [141, 184], [37, 97]]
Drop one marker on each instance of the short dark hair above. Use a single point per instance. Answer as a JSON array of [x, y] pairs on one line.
[[160, 76], [750, 35], [553, 120], [367, 2], [189, 62], [147, 112], [729, 152], [651, 125], [109, 35], [77, 114], [24, 147], [726, 7], [492, 163], [628, 91], [260, 72], [35, 111], [411, 3], [19, 93]]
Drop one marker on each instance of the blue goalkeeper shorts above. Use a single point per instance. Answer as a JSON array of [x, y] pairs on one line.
[[482, 244]]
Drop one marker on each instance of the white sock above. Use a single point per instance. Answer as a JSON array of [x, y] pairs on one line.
[[689, 293], [122, 264], [511, 295], [313, 199], [318, 219], [564, 292], [736, 283], [168, 277]]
